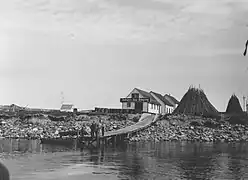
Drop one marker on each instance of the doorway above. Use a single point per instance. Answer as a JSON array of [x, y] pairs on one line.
[[138, 106]]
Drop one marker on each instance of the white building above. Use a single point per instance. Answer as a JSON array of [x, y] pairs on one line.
[[67, 108], [166, 106], [172, 100], [143, 101]]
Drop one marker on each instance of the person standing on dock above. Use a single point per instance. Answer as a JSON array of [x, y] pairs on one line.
[[102, 127], [92, 129], [83, 131], [97, 128]]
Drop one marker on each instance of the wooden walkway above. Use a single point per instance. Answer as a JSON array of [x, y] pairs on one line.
[[117, 137], [114, 137], [144, 121]]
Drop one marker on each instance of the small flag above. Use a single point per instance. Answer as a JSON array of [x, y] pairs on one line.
[[246, 44]]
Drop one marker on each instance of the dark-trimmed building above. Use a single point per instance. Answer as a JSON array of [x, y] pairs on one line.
[[150, 102]]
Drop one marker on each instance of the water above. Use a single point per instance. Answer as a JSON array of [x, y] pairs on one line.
[[168, 160]]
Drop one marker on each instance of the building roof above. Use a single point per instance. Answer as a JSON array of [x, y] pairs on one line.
[[162, 98], [15, 106], [171, 99], [66, 107], [148, 95]]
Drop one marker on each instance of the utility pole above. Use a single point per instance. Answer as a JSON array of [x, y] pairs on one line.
[[62, 97], [247, 104], [244, 104]]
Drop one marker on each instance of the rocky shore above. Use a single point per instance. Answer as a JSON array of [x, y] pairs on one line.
[[186, 128], [167, 128], [41, 126]]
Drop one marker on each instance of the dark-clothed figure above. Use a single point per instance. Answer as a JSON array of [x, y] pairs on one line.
[[83, 131], [92, 129], [97, 129], [4, 172], [102, 127]]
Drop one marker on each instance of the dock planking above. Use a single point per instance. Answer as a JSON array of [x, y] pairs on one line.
[[145, 120], [116, 136]]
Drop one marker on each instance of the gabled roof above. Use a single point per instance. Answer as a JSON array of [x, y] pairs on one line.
[[165, 101], [66, 107], [171, 99], [148, 95], [16, 107]]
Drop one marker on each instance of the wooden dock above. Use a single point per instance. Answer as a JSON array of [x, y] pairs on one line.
[[119, 136], [114, 138]]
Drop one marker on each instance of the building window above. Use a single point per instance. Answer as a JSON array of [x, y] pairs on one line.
[[128, 104], [135, 96]]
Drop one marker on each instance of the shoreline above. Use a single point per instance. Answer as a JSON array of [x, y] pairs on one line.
[[43, 126], [193, 129], [167, 128]]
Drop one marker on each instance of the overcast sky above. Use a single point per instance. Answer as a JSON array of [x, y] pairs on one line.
[[97, 51]]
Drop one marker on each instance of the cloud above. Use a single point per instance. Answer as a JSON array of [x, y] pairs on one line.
[[208, 7], [101, 21]]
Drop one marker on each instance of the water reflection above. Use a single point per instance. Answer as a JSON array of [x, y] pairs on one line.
[[24, 146], [236, 163], [193, 165], [167, 160]]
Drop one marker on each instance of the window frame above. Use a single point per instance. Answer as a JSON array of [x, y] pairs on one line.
[[128, 104]]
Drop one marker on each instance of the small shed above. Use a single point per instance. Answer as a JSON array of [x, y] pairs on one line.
[[67, 108]]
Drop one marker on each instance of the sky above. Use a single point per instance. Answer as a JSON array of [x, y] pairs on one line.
[[97, 51]]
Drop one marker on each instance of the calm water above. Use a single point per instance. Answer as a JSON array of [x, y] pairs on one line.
[[30, 161]]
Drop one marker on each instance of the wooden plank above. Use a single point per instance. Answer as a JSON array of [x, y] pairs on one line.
[[143, 123]]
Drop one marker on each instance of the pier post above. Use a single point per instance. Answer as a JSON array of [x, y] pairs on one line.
[[105, 141], [76, 143], [114, 141], [117, 140], [122, 138], [97, 141]]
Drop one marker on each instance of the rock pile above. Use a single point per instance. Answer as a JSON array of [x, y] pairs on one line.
[[43, 127], [168, 128], [186, 129]]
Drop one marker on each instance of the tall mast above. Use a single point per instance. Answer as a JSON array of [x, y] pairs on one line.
[[244, 104], [62, 97]]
